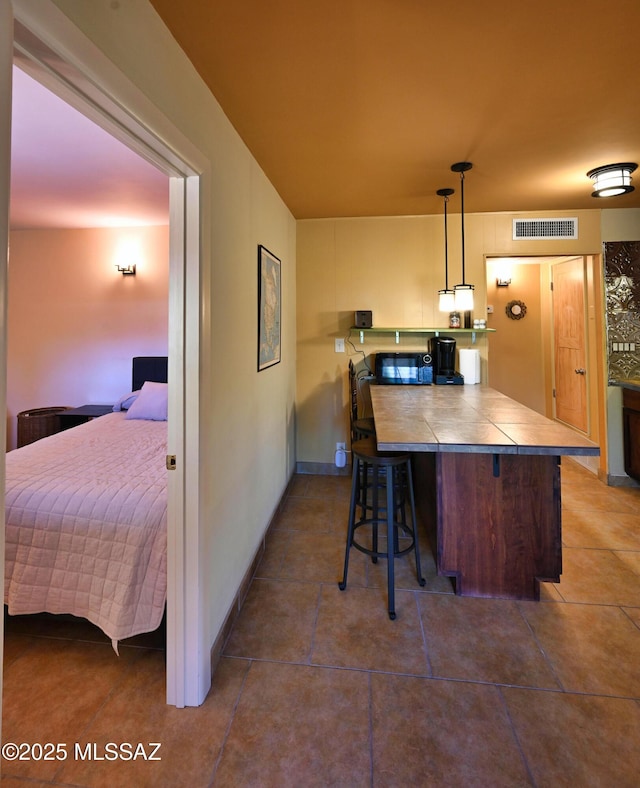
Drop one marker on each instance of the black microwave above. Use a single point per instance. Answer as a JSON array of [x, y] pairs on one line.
[[404, 368]]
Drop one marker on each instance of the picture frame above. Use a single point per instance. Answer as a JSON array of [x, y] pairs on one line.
[[269, 309]]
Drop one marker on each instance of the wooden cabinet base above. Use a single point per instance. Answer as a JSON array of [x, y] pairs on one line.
[[496, 520], [631, 433]]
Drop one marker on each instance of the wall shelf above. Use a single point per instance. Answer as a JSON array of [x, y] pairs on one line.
[[435, 331]]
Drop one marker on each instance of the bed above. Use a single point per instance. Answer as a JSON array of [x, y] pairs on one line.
[[86, 513]]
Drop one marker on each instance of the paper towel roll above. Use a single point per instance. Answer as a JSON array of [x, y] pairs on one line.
[[470, 365]]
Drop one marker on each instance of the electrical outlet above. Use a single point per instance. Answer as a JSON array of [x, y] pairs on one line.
[[339, 345], [341, 446], [490, 309]]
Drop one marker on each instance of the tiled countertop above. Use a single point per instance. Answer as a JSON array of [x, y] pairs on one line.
[[634, 384], [467, 419]]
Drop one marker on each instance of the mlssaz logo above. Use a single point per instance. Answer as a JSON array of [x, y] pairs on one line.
[[122, 751]]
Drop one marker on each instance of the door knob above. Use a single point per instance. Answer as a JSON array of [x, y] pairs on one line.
[[580, 371]]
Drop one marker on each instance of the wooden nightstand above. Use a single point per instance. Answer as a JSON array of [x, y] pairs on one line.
[[72, 417]]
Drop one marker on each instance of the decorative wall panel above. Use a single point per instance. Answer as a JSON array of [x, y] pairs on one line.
[[622, 292]]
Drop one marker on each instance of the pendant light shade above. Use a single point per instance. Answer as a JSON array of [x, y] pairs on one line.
[[463, 298], [446, 300], [612, 179], [463, 291], [446, 297]]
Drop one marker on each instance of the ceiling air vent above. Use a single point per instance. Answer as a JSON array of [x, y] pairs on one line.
[[541, 229]]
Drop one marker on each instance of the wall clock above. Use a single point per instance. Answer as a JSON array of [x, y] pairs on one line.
[[516, 310]]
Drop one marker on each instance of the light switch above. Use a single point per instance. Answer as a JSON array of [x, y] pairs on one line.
[[339, 345]]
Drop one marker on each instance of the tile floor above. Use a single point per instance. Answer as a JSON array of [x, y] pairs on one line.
[[317, 687]]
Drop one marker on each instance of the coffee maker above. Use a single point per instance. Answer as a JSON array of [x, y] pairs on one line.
[[443, 353]]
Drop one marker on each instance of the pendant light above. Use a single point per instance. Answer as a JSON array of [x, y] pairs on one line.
[[463, 292], [446, 297]]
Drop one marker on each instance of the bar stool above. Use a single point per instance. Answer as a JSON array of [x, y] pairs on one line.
[[385, 475]]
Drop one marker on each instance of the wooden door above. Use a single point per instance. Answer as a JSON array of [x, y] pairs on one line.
[[569, 329]]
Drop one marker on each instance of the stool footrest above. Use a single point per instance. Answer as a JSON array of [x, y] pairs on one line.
[[408, 532]]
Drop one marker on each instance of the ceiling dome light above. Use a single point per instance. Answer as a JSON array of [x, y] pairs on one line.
[[612, 179]]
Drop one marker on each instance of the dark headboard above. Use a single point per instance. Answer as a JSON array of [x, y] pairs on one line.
[[152, 368]]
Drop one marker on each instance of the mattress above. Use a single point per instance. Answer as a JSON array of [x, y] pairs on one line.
[[86, 513]]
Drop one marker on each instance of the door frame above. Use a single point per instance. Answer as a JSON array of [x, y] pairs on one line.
[[73, 67], [6, 63], [595, 335]]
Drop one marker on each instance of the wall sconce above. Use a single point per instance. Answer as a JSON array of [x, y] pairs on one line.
[[128, 270], [611, 180], [502, 271]]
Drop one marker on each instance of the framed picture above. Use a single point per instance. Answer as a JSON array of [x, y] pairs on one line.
[[269, 309]]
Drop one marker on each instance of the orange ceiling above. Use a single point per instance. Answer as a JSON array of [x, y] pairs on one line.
[[359, 107]]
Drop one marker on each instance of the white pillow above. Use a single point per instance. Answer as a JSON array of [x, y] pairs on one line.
[[126, 401], [151, 402]]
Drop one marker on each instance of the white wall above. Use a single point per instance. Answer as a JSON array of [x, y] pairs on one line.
[[74, 321], [394, 266], [247, 446]]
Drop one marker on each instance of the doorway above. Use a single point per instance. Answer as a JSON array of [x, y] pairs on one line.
[[522, 352], [118, 110], [69, 233]]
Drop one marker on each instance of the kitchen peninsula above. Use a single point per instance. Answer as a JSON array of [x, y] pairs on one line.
[[487, 479], [631, 426]]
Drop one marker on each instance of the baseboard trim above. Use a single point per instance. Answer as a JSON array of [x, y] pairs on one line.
[[241, 594], [322, 469], [619, 481]]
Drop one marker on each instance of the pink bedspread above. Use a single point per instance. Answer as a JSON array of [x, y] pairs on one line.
[[86, 514]]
